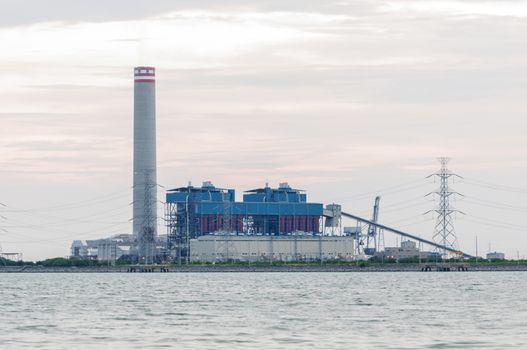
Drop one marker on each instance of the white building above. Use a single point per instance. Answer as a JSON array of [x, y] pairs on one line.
[[109, 251], [408, 249], [78, 249], [270, 248], [111, 248], [495, 256]]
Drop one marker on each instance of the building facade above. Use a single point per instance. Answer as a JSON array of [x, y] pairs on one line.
[[221, 248], [495, 256], [78, 249], [192, 212], [408, 249]]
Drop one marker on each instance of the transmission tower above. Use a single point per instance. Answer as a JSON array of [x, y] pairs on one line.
[[148, 225], [444, 232]]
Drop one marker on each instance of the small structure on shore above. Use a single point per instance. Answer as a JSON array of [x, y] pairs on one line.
[[444, 267], [495, 256]]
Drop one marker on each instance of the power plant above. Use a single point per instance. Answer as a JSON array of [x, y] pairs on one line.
[[207, 223], [263, 211], [193, 212]]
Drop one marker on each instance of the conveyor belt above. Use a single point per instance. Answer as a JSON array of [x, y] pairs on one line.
[[401, 233]]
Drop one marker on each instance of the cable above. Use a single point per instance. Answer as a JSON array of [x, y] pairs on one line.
[[386, 190], [391, 207], [47, 228], [497, 222], [402, 202], [496, 205], [493, 225], [89, 233], [413, 217], [82, 219], [74, 205], [414, 223], [402, 208], [493, 186]]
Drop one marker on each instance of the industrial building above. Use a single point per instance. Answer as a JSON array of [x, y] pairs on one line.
[[192, 212], [220, 248], [78, 249], [495, 256], [104, 249], [112, 248], [408, 249]]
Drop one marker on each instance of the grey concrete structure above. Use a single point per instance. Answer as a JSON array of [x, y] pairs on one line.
[[408, 249], [109, 251], [78, 249], [495, 256], [145, 177], [217, 248], [110, 248]]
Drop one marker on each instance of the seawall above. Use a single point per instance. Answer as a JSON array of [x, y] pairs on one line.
[[249, 268]]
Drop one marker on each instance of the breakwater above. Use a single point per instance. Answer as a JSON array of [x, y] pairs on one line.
[[254, 268]]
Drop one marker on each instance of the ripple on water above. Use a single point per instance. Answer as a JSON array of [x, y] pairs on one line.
[[264, 310]]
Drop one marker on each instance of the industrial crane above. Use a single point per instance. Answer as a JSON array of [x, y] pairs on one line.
[[373, 231]]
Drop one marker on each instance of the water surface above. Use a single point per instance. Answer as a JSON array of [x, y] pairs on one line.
[[414, 310]]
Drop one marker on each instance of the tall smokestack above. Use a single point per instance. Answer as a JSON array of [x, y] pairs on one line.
[[145, 177]]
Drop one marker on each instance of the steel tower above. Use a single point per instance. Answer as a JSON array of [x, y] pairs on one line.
[[374, 233], [145, 178], [444, 232]]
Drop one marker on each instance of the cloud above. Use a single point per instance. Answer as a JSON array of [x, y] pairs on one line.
[[459, 8], [26, 12], [339, 97]]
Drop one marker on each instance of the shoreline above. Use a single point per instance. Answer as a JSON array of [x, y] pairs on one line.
[[249, 268]]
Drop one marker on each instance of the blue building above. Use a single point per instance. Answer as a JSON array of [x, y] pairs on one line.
[[195, 211]]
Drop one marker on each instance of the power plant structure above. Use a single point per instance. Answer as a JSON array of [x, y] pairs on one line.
[[192, 212], [145, 176], [207, 223]]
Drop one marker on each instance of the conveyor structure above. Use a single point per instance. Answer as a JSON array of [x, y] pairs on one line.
[[371, 223]]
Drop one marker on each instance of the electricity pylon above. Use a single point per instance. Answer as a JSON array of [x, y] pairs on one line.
[[444, 232], [147, 236]]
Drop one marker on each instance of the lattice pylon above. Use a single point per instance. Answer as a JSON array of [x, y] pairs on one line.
[[444, 231]]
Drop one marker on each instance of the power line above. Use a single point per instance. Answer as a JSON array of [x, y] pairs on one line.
[[403, 207], [82, 219], [414, 223], [495, 205], [74, 205], [494, 186], [498, 222], [386, 190], [54, 227], [66, 236], [486, 223], [408, 218], [395, 206]]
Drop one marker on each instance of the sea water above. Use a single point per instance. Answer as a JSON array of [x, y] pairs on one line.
[[343, 310]]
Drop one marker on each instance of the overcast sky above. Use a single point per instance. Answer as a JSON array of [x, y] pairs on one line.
[[346, 99]]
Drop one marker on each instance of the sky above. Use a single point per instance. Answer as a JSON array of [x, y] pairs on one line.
[[345, 99]]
